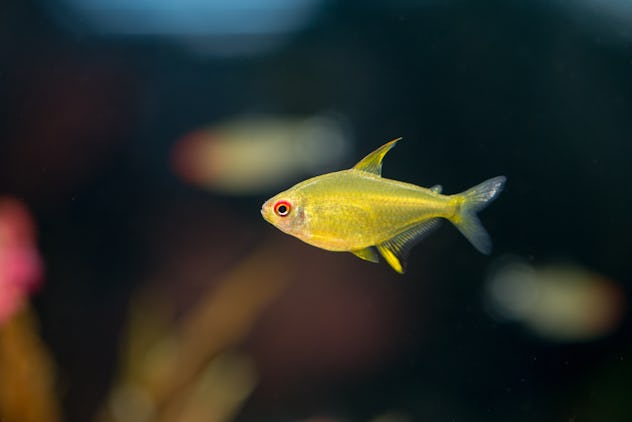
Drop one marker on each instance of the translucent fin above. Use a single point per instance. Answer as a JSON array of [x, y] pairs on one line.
[[437, 188], [396, 250], [372, 163], [368, 254], [474, 200]]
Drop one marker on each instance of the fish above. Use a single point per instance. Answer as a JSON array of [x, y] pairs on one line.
[[560, 302], [230, 157], [357, 210]]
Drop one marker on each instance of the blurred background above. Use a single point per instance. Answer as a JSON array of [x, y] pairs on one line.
[[139, 138]]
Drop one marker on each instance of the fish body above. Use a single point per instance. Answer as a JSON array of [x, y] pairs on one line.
[[356, 210], [367, 209]]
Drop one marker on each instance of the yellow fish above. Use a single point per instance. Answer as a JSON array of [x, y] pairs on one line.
[[358, 211]]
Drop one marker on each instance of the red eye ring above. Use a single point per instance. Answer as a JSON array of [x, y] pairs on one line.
[[282, 208]]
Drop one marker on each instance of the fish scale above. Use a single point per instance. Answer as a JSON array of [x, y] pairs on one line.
[[387, 207]]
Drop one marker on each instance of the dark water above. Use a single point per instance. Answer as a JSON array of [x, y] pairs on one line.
[[537, 92]]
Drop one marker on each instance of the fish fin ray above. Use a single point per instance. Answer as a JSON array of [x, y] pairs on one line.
[[395, 250], [437, 188], [474, 200], [368, 254], [372, 163]]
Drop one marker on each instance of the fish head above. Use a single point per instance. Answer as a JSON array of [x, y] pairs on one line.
[[286, 212]]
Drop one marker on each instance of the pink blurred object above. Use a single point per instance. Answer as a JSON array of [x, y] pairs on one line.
[[20, 263]]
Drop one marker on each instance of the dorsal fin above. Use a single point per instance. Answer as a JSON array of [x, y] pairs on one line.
[[372, 163], [395, 250]]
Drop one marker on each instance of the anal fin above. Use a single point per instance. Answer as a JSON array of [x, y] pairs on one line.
[[368, 254], [395, 250]]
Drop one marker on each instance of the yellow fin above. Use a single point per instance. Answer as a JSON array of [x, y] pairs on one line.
[[395, 250], [372, 163], [391, 258], [368, 254]]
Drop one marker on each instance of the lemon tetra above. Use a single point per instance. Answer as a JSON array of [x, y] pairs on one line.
[[358, 211]]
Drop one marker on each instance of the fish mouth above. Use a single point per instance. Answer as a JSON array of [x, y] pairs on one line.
[[264, 210]]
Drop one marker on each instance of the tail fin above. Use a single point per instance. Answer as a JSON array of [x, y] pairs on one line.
[[474, 200]]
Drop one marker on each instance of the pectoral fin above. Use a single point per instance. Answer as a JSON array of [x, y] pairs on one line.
[[368, 254], [395, 250], [372, 163]]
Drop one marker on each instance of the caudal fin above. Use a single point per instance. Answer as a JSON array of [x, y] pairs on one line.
[[474, 200]]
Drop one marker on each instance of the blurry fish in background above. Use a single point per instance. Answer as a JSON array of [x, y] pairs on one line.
[[562, 302], [250, 155], [20, 263]]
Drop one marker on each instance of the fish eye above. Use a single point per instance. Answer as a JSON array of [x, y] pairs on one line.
[[282, 208]]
